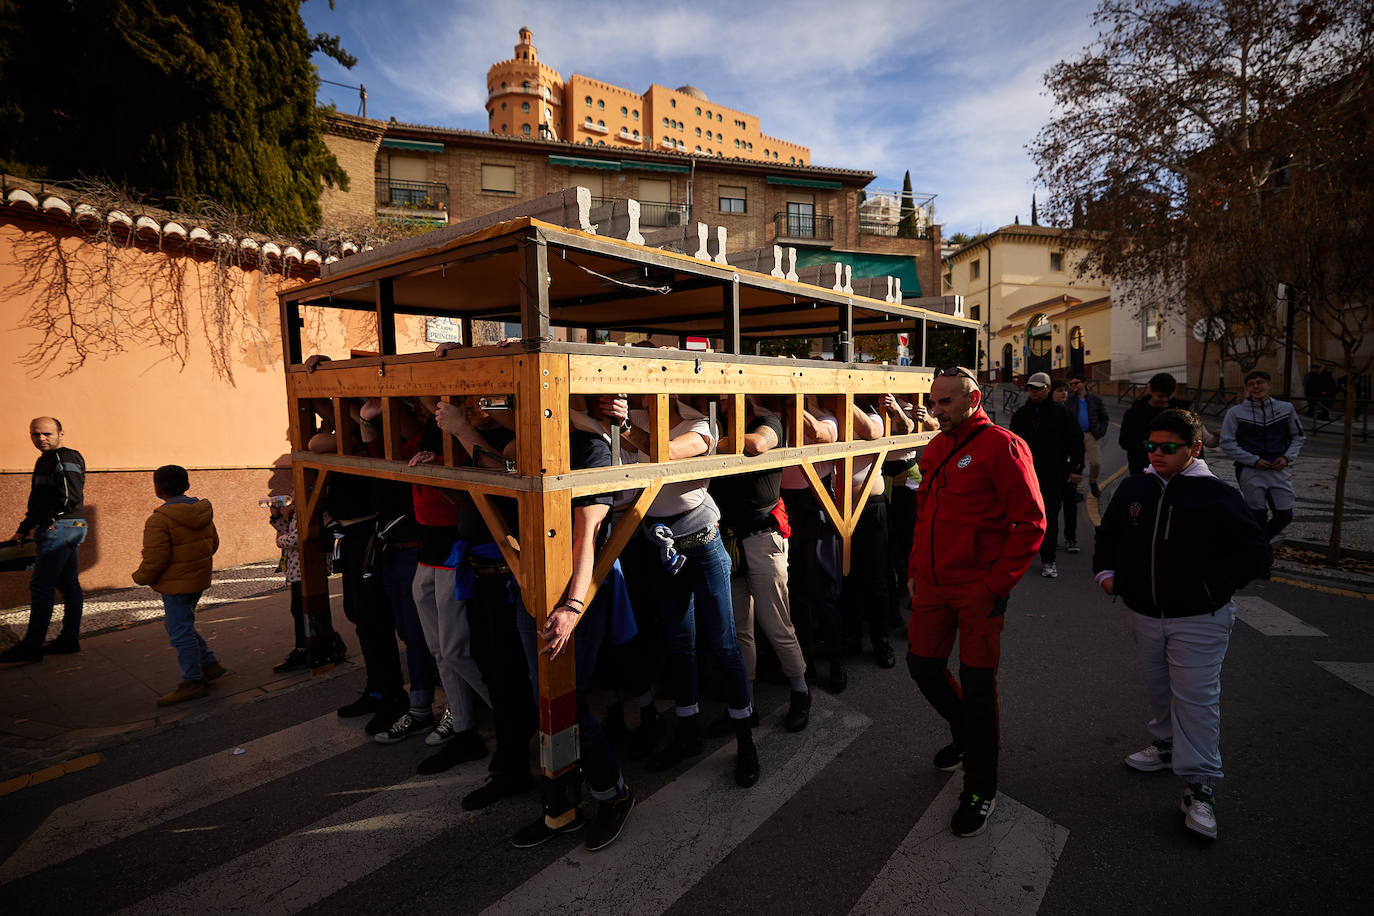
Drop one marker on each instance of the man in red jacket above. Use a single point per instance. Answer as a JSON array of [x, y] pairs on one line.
[[979, 522]]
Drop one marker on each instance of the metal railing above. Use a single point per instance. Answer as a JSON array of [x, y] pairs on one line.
[[803, 226], [889, 229], [651, 213], [595, 128], [421, 196]]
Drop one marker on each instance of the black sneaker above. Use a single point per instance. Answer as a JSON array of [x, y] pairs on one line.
[[464, 748], [337, 650], [948, 758], [798, 711], [537, 833], [497, 787], [971, 817], [409, 724], [389, 710], [1071, 547], [63, 645], [295, 659], [839, 678], [365, 705], [746, 759], [647, 734], [21, 653], [883, 654], [685, 744], [610, 820]]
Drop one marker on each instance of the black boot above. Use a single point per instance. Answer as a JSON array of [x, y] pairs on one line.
[[645, 737], [747, 758], [685, 744]]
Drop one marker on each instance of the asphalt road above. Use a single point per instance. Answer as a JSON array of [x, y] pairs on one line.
[[849, 816]]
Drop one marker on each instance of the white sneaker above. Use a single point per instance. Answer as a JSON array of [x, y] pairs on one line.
[[1159, 755], [443, 732], [1199, 810], [1049, 571]]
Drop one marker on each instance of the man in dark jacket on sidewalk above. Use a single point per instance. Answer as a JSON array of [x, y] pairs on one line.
[[55, 520], [1091, 414], [1056, 443], [979, 520], [1135, 425], [1175, 543]]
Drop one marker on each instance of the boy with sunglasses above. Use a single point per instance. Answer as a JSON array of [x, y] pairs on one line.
[[1175, 543]]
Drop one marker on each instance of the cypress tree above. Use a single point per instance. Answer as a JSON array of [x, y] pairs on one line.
[[907, 227], [182, 103]]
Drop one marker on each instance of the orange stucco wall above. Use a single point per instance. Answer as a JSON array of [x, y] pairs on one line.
[[128, 412]]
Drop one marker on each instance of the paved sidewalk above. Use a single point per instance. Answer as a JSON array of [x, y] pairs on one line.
[[57, 713]]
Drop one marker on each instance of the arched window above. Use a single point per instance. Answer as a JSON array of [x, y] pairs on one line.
[[601, 104], [601, 143], [503, 85], [698, 131], [635, 114], [588, 122], [672, 103], [1039, 332], [600, 123], [525, 84], [720, 119], [525, 107], [708, 114], [698, 109], [665, 122], [588, 141], [624, 111], [709, 135], [503, 106], [698, 149], [636, 135], [589, 101], [525, 129]]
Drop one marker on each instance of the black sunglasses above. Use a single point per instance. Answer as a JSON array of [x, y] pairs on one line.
[[1167, 448], [955, 372]]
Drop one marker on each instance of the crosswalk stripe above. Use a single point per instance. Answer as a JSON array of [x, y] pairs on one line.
[[1006, 870], [1270, 619], [291, 873], [111, 815], [1357, 674], [686, 828]]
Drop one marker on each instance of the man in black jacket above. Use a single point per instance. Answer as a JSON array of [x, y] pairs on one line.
[[1175, 543], [1056, 445], [56, 522], [1135, 424]]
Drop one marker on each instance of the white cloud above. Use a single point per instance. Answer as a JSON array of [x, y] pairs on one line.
[[950, 91]]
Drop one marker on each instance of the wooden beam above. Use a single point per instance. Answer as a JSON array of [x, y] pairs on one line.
[[386, 317], [625, 529], [534, 288], [730, 303], [823, 496], [660, 432], [500, 532]]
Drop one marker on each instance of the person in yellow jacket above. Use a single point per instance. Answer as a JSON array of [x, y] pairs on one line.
[[179, 540]]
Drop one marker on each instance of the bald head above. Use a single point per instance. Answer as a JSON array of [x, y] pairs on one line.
[[45, 433], [953, 399]]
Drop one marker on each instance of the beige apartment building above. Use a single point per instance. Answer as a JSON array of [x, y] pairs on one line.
[[1038, 315]]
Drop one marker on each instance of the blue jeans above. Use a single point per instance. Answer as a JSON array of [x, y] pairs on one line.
[[398, 577], [700, 592], [54, 570], [598, 762], [192, 652]]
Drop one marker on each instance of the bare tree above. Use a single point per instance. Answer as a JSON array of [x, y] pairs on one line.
[[1228, 140]]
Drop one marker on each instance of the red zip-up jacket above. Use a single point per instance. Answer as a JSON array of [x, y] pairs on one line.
[[979, 515]]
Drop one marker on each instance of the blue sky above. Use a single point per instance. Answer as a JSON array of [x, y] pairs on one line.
[[950, 90]]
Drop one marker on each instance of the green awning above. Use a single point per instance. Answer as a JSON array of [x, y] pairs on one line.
[[804, 182], [656, 167], [867, 265], [413, 144], [577, 162]]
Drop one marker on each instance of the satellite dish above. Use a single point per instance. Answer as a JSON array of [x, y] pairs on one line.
[[1205, 329]]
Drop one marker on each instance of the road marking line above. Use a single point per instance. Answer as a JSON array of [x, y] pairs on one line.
[[686, 828], [1092, 504], [1006, 870], [1270, 619], [37, 777], [1357, 674], [1324, 589], [90, 823], [300, 869]]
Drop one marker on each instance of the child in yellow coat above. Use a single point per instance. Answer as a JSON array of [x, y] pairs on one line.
[[179, 541]]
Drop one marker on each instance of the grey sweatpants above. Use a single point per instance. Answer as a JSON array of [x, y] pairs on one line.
[[445, 621]]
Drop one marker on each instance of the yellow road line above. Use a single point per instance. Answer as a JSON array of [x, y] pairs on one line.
[[76, 764], [1090, 501], [1325, 589]]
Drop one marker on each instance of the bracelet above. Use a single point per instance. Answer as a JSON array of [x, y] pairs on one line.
[[578, 600], [577, 611]]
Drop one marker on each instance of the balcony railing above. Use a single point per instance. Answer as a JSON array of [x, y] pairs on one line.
[[888, 228], [651, 213], [398, 197], [521, 90], [595, 128], [804, 226]]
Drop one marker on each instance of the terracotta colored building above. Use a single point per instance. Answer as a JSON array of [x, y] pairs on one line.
[[528, 98]]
